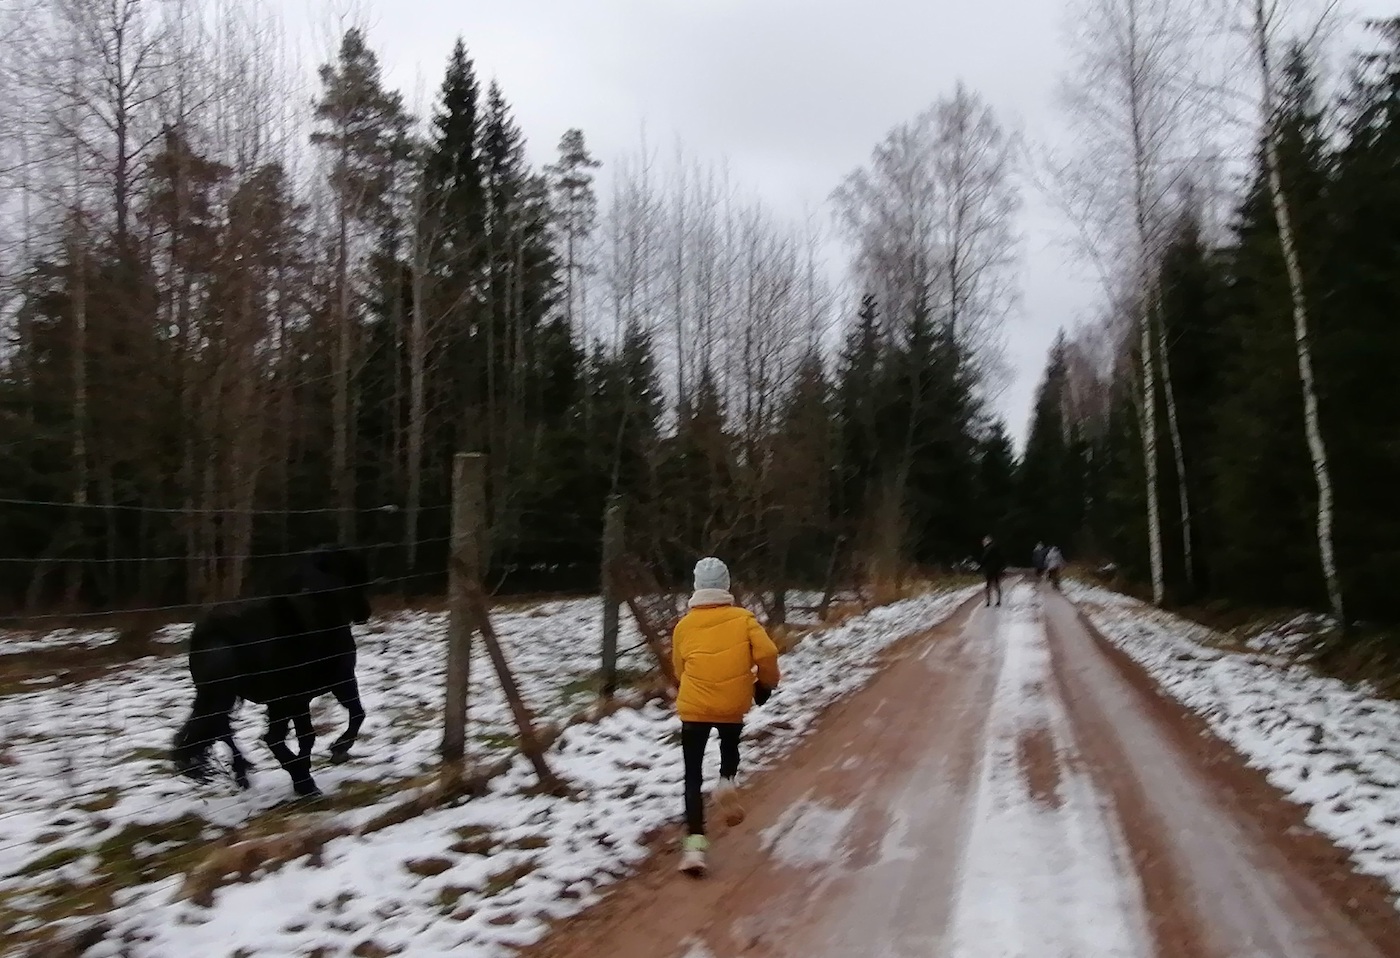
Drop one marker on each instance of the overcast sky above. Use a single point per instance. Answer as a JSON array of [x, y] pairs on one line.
[[792, 93]]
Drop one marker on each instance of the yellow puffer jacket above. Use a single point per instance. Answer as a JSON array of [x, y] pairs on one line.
[[715, 649]]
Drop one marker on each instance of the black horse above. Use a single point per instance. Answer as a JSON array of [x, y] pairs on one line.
[[282, 651]]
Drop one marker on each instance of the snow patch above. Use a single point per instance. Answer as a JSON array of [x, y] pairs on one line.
[[90, 761], [808, 833], [1037, 881]]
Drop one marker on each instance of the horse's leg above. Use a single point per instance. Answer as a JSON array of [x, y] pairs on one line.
[[240, 763], [206, 724], [306, 740], [347, 693], [279, 717]]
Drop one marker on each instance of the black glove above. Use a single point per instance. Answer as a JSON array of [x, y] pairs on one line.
[[761, 693]]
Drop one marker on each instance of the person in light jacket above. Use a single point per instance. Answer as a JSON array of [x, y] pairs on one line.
[[1054, 562], [717, 648]]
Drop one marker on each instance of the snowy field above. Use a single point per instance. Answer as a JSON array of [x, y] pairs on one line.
[[1330, 746], [85, 767], [87, 795], [25, 642]]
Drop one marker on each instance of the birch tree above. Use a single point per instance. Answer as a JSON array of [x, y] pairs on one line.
[[1266, 20], [1132, 104], [932, 218], [975, 173]]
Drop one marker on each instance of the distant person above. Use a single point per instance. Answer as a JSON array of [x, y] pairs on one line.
[[1038, 561], [716, 649], [993, 566], [1054, 562]]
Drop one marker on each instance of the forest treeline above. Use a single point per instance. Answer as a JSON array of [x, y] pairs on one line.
[[1238, 482], [235, 329], [243, 316]]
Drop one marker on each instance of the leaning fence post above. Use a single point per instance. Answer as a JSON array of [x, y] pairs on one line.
[[830, 586], [782, 538], [612, 555], [463, 582]]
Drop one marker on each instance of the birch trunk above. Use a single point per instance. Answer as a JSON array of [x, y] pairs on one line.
[[1149, 455], [1138, 105], [1317, 449], [1179, 453], [417, 404]]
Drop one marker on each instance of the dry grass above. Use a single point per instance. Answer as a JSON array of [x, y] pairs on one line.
[[241, 860]]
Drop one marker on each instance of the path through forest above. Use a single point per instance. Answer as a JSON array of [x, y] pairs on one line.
[[1008, 786]]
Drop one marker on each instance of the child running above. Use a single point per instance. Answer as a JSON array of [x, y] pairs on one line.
[[715, 650]]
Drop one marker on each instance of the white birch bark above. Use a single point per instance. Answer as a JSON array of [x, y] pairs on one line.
[[1179, 453], [1317, 449]]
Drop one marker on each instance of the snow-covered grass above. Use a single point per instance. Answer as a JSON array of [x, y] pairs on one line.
[[1331, 746], [84, 766], [27, 641], [1291, 637], [88, 797]]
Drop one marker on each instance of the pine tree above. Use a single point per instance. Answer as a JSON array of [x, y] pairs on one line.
[[361, 128], [576, 212]]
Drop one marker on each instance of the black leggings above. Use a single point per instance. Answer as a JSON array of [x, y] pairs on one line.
[[694, 737], [993, 583]]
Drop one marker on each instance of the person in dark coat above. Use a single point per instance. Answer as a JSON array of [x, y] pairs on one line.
[[993, 566]]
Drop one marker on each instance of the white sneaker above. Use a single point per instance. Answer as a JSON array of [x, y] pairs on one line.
[[727, 797], [693, 856]]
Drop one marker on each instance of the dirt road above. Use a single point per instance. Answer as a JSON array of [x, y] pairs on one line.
[[1006, 787]]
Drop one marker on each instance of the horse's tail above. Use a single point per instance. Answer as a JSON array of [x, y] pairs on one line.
[[208, 722]]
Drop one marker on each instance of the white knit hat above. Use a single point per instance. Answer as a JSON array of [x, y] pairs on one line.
[[711, 573]]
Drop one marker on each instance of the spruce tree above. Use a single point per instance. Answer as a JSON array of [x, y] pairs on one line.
[[1049, 494], [996, 498], [803, 470], [856, 402], [1190, 288], [1358, 341]]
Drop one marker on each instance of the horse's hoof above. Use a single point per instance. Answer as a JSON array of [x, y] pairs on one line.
[[306, 790], [339, 756], [197, 771], [241, 780]]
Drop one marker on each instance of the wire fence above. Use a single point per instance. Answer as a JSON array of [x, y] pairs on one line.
[[653, 602], [56, 580]]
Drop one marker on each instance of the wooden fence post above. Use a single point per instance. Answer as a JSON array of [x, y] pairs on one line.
[[612, 602], [529, 740], [830, 586], [463, 583]]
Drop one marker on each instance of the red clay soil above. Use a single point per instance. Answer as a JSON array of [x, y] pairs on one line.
[[1227, 862], [859, 842]]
